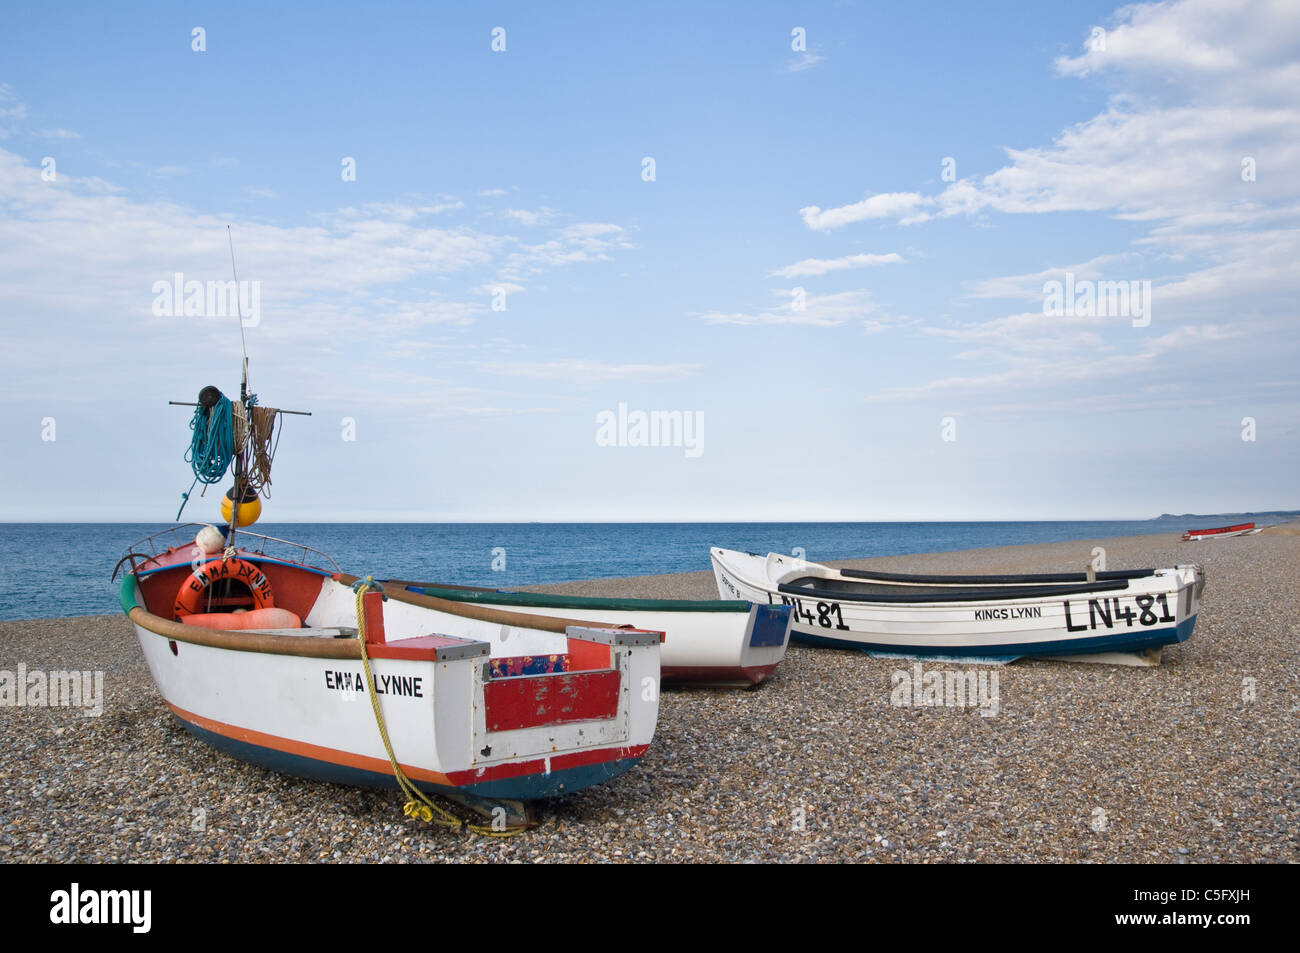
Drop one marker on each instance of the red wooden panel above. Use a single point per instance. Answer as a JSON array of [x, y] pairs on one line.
[[528, 701], [587, 656], [372, 607]]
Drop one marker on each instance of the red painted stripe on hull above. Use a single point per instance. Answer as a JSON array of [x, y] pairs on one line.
[[751, 674], [1240, 527], [496, 772]]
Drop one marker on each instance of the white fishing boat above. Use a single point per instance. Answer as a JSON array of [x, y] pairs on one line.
[[712, 641], [266, 651], [1125, 617]]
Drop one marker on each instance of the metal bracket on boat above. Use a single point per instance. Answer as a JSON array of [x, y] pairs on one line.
[[451, 653], [614, 636]]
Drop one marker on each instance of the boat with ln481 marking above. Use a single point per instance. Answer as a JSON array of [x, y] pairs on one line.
[[1125, 617]]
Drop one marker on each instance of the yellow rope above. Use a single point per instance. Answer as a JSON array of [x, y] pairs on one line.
[[418, 803]]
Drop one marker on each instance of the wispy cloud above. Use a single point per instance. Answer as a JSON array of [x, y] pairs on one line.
[[804, 61], [884, 205], [493, 287], [433, 310], [1040, 378], [1030, 286], [830, 310], [590, 371], [407, 211], [821, 266], [348, 270], [530, 217], [584, 242], [13, 111]]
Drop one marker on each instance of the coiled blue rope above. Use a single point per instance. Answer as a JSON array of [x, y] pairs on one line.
[[213, 445]]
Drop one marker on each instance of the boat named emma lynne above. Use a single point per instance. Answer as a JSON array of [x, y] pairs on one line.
[[1124, 617], [267, 651], [720, 641]]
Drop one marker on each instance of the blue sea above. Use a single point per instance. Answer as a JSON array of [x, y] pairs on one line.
[[62, 569]]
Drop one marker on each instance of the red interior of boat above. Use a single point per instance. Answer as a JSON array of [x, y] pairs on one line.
[[292, 588]]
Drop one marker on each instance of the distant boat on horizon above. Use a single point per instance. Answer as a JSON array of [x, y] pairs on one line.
[[1220, 532]]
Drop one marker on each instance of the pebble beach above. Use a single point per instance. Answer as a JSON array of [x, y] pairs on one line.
[[1194, 761]]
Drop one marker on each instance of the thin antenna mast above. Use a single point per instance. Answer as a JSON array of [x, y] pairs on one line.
[[237, 490], [243, 345]]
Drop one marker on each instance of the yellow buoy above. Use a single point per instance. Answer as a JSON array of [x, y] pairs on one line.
[[249, 510]]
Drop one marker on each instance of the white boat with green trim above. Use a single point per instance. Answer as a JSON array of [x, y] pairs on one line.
[[1124, 616], [731, 641]]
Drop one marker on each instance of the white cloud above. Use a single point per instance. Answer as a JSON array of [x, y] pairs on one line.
[[1170, 147], [821, 266], [407, 211], [82, 246], [1202, 93], [492, 287], [1216, 51], [530, 217], [829, 310], [584, 242], [884, 205]]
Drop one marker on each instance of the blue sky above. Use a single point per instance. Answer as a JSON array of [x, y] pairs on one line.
[[1106, 143]]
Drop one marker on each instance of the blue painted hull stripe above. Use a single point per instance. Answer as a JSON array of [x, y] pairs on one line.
[[522, 788]]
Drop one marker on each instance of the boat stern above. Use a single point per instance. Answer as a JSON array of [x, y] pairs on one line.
[[540, 734]]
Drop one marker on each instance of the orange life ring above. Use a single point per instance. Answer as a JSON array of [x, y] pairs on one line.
[[190, 597]]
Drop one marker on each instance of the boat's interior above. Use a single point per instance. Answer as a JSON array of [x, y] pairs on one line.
[[1041, 578], [295, 590], [845, 590]]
